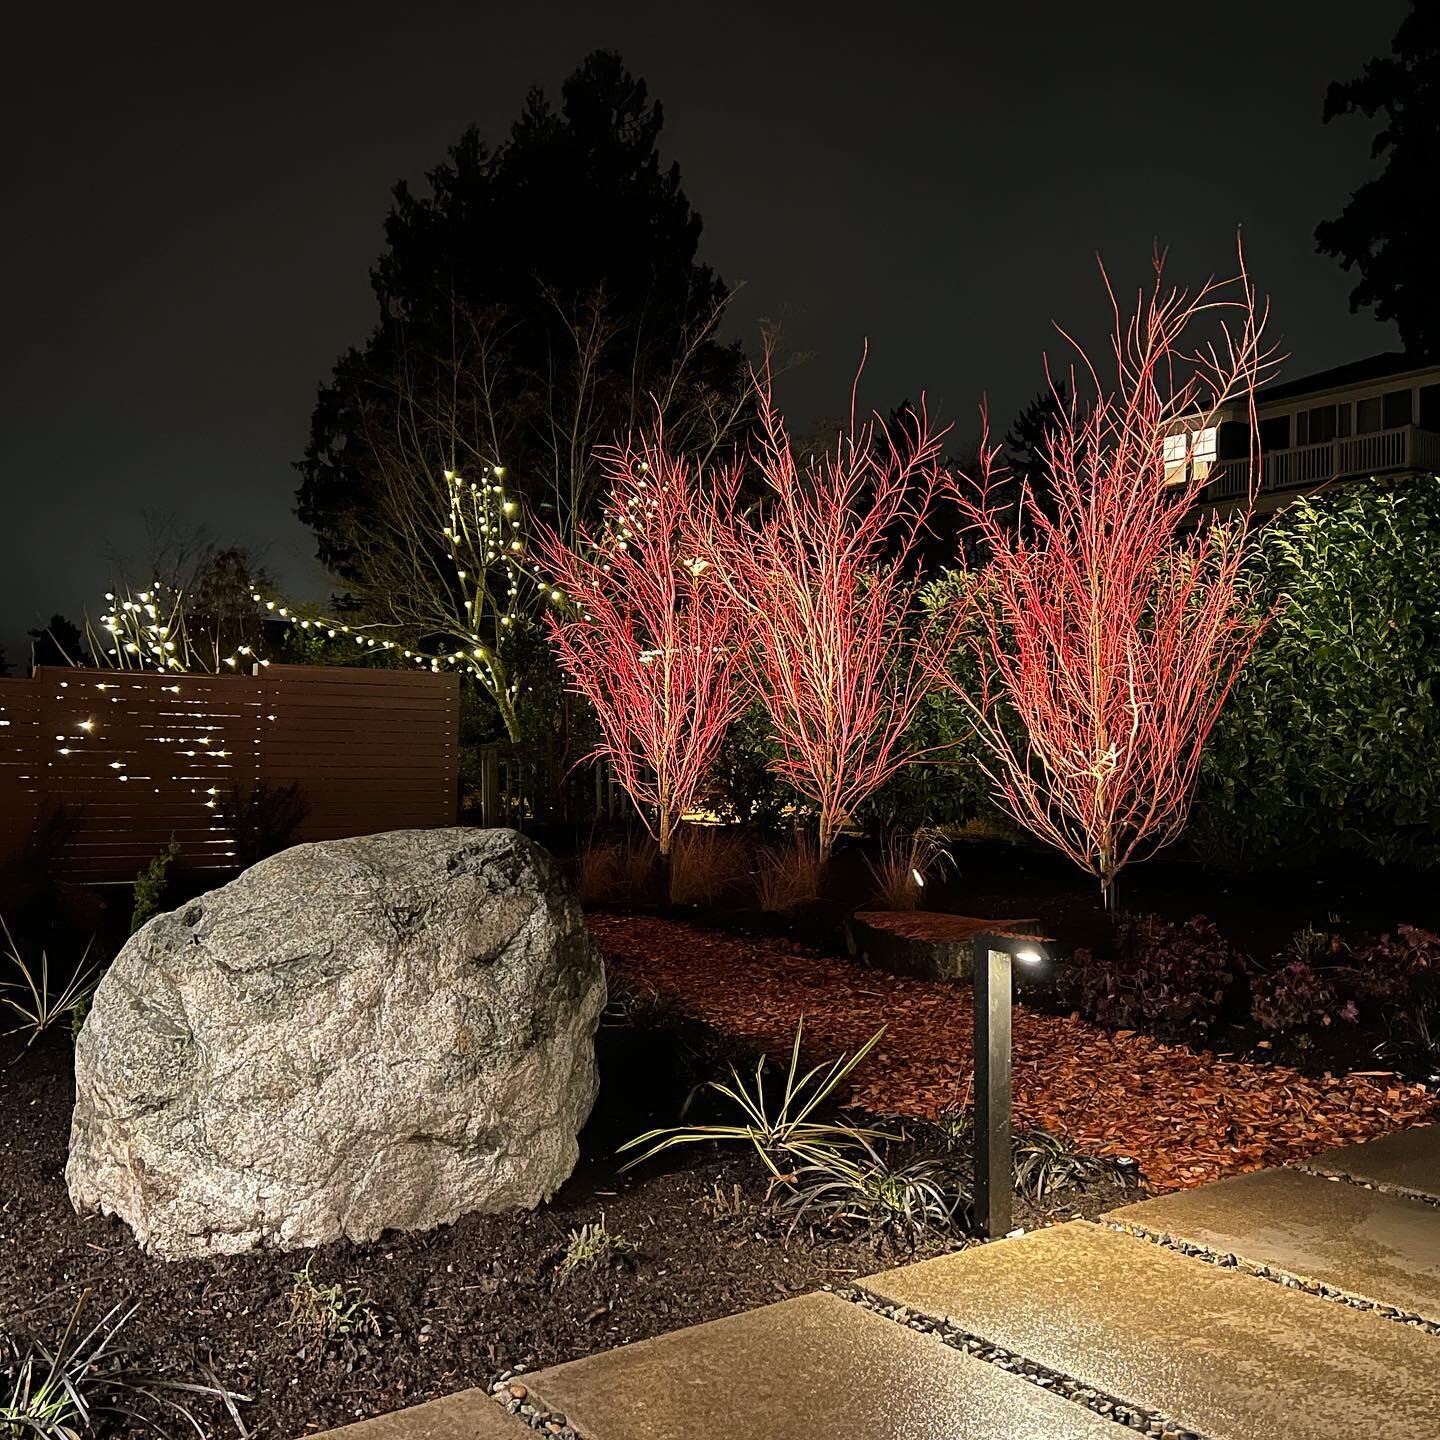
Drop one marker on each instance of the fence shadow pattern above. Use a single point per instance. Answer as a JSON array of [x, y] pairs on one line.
[[132, 759]]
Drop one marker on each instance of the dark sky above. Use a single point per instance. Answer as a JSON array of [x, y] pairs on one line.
[[195, 194]]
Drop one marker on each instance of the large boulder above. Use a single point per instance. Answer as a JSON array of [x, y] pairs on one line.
[[353, 1036]]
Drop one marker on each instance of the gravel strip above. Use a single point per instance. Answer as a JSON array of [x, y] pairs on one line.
[[1278, 1277], [513, 1395], [1122, 1412], [1400, 1192]]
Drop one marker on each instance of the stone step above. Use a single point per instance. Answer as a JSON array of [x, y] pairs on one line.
[[1407, 1162], [815, 1366], [466, 1415], [1374, 1246], [1225, 1354]]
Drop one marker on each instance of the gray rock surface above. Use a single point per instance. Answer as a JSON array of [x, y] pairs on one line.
[[352, 1036]]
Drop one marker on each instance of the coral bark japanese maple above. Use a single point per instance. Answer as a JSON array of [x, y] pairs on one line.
[[1109, 626], [829, 571], [644, 634]]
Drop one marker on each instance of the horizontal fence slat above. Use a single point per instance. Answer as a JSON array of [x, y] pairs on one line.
[[370, 750]]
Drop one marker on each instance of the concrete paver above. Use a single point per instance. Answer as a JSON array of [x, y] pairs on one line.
[[1229, 1355], [1375, 1246], [815, 1366], [468, 1415], [1407, 1161]]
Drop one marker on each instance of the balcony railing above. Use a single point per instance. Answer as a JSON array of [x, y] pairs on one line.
[[1384, 451]]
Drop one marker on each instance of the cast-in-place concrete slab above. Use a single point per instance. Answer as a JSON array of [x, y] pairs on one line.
[[1223, 1353], [467, 1415], [1407, 1162], [816, 1366], [1376, 1246]]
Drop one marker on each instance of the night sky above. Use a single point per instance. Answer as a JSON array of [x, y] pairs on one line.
[[195, 194]]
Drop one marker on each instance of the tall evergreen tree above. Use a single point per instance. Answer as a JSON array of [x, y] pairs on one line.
[[1389, 226], [58, 643], [538, 300]]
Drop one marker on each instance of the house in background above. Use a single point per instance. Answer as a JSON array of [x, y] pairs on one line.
[[1379, 416]]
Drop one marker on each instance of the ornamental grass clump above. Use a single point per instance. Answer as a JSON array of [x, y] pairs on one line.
[[33, 1001], [784, 1125], [85, 1386], [903, 1202], [905, 865]]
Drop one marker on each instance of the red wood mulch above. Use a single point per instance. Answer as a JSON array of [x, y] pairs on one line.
[[1186, 1118]]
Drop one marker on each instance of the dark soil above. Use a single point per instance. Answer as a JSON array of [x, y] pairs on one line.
[[453, 1307]]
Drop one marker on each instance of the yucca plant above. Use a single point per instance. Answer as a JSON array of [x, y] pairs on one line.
[[84, 1386], [30, 997], [782, 1127]]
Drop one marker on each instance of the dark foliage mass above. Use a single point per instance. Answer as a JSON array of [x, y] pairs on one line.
[[1387, 229], [529, 302], [1323, 748], [1159, 976]]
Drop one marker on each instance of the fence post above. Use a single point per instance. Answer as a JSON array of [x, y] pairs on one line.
[[489, 786]]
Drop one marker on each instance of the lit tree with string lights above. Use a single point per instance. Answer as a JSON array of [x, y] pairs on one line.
[[1108, 625], [454, 591], [830, 573], [645, 633]]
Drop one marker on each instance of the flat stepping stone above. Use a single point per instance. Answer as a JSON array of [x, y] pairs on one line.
[[1407, 1162], [1369, 1244], [466, 1415], [924, 944], [816, 1366], [1225, 1354]]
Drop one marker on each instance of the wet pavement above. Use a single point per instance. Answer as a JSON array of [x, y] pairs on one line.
[[1281, 1304], [1407, 1162], [1367, 1244]]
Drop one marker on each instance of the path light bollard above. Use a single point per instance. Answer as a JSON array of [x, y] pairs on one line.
[[994, 1176]]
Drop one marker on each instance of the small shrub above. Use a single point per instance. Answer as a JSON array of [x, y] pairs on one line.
[[592, 1246], [151, 884], [788, 875], [783, 1129], [904, 1202], [320, 1314], [1395, 965], [708, 864], [32, 999], [906, 863], [1296, 994], [84, 1386], [1159, 976]]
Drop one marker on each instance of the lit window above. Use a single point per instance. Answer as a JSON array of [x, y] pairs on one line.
[[1204, 452], [1177, 447]]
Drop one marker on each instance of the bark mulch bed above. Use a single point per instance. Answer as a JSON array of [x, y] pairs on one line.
[[1185, 1117], [454, 1307]]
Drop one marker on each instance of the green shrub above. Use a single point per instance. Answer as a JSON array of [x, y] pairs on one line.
[[150, 886], [1327, 743]]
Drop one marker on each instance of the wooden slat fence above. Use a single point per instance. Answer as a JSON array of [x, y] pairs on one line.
[[134, 758]]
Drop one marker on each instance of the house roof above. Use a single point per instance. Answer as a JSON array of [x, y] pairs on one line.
[[1357, 372]]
